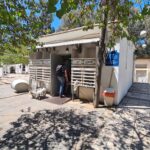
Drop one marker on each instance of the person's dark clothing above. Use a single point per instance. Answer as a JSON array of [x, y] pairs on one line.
[[61, 78]]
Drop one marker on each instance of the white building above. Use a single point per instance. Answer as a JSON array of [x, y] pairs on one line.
[[142, 70], [80, 47], [1, 71], [15, 68]]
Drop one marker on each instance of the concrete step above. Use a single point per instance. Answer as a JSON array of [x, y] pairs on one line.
[[137, 95]]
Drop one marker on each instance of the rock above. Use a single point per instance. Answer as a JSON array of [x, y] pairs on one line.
[[20, 85], [28, 135]]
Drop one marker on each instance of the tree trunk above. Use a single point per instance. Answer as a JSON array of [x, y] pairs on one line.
[[99, 61], [99, 65]]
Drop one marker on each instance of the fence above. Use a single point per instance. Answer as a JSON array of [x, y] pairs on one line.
[[83, 70], [40, 70]]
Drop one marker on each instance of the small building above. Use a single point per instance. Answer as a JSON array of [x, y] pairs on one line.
[[15, 68], [142, 70], [79, 47]]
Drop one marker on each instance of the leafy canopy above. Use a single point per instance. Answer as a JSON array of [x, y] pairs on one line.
[[22, 21], [120, 13], [15, 55]]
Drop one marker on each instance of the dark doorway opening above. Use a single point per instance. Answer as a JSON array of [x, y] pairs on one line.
[[23, 68], [64, 60], [12, 69]]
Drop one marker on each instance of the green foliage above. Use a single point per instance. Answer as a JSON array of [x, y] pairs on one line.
[[73, 20], [135, 30], [22, 21], [120, 13], [15, 55], [143, 53]]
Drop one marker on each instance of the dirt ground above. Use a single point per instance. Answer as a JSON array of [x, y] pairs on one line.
[[26, 123]]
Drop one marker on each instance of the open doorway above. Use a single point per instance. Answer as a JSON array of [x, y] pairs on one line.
[[64, 60], [12, 69]]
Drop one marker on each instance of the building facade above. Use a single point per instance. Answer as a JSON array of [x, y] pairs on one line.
[[79, 47]]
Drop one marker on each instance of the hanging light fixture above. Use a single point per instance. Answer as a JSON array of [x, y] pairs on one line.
[[67, 50]]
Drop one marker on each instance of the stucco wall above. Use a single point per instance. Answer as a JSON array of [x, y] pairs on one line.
[[110, 76], [1, 71], [143, 61], [125, 68]]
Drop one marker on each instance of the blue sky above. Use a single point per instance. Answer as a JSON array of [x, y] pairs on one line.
[[56, 21]]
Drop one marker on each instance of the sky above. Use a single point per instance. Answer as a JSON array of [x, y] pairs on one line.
[[56, 21]]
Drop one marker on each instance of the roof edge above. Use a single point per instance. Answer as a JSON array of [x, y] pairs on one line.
[[61, 32]]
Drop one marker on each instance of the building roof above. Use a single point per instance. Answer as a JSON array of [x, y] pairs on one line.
[[70, 37]]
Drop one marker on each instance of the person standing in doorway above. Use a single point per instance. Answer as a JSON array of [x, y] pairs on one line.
[[60, 73], [67, 71]]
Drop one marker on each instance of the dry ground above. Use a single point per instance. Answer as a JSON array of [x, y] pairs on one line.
[[27, 123]]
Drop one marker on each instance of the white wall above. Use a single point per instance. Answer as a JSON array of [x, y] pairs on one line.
[[18, 68], [107, 80], [143, 61], [125, 68], [1, 71]]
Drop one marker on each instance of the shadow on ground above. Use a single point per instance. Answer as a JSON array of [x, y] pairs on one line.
[[131, 129], [73, 130], [61, 129]]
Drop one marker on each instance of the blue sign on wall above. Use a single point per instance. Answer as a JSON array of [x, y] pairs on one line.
[[112, 58]]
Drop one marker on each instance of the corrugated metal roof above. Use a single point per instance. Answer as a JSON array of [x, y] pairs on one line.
[[69, 37]]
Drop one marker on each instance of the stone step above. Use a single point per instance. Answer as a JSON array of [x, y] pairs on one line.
[[137, 95]]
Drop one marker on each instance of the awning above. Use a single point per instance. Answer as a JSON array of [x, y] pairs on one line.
[[83, 41]]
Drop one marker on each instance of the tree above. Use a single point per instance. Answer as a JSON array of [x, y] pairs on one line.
[[22, 22], [113, 14], [135, 30], [15, 55], [73, 19]]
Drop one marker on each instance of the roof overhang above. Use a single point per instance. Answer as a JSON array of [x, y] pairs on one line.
[[66, 43]]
